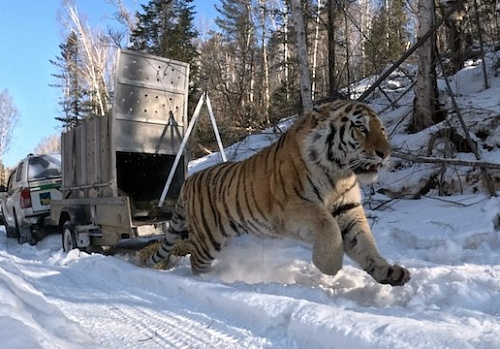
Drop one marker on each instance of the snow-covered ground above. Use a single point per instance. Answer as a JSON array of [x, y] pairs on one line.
[[267, 293]]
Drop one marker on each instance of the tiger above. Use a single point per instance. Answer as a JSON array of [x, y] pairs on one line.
[[305, 186]]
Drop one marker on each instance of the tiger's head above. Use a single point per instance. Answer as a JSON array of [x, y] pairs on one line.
[[348, 135]]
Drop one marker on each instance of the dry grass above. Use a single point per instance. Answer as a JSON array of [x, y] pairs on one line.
[[180, 249]]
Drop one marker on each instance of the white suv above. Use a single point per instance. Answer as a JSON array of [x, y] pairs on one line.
[[30, 189]]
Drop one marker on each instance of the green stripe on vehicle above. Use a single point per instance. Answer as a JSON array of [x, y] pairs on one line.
[[46, 187]]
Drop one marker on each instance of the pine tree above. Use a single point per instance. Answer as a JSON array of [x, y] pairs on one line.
[[166, 29], [388, 34], [72, 100], [184, 33], [153, 24]]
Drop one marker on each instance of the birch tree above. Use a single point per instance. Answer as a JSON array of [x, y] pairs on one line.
[[332, 73], [126, 18], [286, 55], [9, 116], [317, 23], [302, 56], [265, 64], [97, 60], [47, 145], [426, 92]]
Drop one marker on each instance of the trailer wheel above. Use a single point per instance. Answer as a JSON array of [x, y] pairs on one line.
[[68, 236]]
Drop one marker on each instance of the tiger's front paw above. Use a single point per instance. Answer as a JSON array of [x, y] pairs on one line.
[[395, 275]]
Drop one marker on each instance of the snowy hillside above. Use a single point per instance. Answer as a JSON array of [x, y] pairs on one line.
[[267, 293]]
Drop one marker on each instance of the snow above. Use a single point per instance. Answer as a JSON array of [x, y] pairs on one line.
[[267, 293]]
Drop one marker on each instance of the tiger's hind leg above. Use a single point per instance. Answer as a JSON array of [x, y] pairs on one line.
[[199, 264], [204, 250], [176, 231], [166, 248]]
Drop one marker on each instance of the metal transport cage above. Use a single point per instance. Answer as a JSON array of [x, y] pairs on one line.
[[114, 167]]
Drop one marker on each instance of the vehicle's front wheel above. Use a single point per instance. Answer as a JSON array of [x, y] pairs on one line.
[[68, 236]]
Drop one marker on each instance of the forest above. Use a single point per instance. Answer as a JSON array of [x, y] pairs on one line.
[[262, 61]]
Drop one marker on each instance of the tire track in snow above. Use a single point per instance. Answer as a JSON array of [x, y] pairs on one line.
[[118, 312], [167, 329]]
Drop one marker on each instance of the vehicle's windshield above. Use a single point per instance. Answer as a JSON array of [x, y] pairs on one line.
[[44, 166]]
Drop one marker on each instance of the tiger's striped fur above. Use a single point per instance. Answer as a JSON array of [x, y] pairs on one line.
[[304, 186]]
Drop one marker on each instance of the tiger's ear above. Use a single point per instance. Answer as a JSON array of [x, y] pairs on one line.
[[321, 109], [318, 114]]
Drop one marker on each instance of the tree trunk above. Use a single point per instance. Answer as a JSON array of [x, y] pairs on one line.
[[332, 80], [265, 64], [304, 73], [347, 55], [426, 93], [456, 47], [286, 56], [455, 37], [315, 49]]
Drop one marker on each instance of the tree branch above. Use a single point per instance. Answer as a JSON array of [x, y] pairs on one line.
[[453, 162]]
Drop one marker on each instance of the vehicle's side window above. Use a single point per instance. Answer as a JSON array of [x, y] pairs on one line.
[[19, 171], [10, 181]]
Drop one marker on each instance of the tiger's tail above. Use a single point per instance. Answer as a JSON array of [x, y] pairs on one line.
[[176, 231]]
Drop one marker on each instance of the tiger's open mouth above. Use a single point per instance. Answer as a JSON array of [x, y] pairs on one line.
[[370, 168]]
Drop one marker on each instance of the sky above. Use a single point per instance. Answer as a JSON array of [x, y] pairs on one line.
[[30, 35]]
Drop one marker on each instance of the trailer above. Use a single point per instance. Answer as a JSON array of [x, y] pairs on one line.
[[114, 167]]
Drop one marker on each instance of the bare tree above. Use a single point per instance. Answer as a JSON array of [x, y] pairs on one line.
[[317, 24], [301, 44], [332, 74], [96, 59], [9, 116], [426, 93], [286, 53], [123, 15], [265, 64], [48, 145]]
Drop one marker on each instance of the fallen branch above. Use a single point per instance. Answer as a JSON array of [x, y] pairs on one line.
[[488, 181], [453, 162]]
